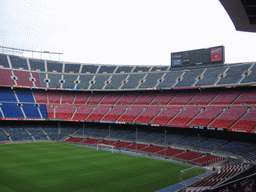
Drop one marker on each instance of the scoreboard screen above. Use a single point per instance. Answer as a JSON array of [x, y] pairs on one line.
[[198, 57]]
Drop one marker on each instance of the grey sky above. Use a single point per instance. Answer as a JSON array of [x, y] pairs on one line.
[[134, 32]]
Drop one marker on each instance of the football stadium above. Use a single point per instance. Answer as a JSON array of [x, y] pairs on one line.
[[189, 126]]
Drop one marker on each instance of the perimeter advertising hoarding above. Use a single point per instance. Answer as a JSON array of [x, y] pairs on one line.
[[198, 57]]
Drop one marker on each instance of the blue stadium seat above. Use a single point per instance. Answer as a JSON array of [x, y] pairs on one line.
[[25, 95], [31, 111], [12, 110], [7, 95]]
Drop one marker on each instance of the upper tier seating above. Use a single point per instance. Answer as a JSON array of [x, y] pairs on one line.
[[124, 69], [251, 76], [234, 74], [69, 81], [116, 81], [151, 80], [159, 68], [84, 81], [141, 69], [3, 61], [100, 81], [169, 80], [18, 62], [74, 68], [133, 81], [210, 76], [89, 68], [189, 78], [36, 65], [107, 69], [54, 80], [54, 66], [50, 73]]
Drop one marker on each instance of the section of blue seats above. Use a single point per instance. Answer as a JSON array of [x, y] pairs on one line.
[[31, 111], [24, 95], [42, 108], [12, 110], [7, 95]]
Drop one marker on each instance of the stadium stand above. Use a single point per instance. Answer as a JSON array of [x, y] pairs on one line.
[[151, 80], [124, 69], [128, 98], [72, 68], [145, 99], [3, 61], [116, 81], [107, 69], [100, 81], [6, 77], [18, 62], [69, 81], [37, 65], [189, 78], [141, 69], [115, 113], [54, 66], [84, 81], [89, 69], [169, 80]]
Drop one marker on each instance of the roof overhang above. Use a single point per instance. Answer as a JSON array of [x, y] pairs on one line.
[[242, 14]]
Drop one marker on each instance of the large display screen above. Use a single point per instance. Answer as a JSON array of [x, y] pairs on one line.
[[198, 57]]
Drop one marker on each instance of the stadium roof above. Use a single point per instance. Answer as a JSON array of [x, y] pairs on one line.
[[242, 14]]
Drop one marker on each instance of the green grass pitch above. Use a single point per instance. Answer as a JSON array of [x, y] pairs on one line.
[[63, 167]]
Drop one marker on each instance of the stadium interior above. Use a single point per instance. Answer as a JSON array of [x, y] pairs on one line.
[[199, 115]]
